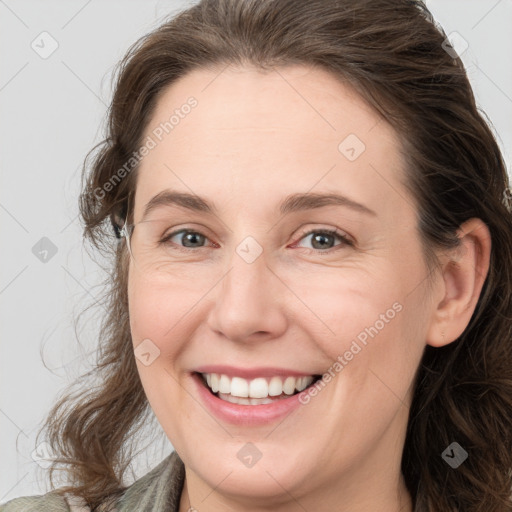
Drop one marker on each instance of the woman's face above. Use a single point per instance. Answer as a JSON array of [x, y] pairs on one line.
[[256, 290]]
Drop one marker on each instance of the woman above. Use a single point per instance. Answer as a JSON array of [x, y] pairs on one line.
[[312, 278]]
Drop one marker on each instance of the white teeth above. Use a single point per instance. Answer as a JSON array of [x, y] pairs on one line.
[[257, 389], [289, 385], [245, 401], [224, 384], [214, 384], [303, 383], [259, 401], [275, 386], [239, 387]]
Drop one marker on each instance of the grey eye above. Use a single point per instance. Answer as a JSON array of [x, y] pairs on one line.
[[189, 239]]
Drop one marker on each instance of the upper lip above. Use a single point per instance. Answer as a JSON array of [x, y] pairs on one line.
[[251, 373]]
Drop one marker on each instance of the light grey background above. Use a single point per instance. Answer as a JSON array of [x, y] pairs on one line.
[[52, 113]]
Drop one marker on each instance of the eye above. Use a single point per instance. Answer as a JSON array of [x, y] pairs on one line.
[[186, 239], [324, 239]]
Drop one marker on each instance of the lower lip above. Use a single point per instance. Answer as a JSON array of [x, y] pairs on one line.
[[248, 415]]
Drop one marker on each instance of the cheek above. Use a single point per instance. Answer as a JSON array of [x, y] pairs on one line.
[[367, 325], [157, 311], [156, 318], [337, 304], [372, 336]]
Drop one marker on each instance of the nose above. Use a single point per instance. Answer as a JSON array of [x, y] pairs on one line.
[[249, 302]]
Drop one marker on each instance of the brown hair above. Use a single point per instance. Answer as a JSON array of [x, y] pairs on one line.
[[391, 52]]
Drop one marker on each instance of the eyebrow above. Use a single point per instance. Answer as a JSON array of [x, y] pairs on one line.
[[183, 199], [309, 201], [292, 203]]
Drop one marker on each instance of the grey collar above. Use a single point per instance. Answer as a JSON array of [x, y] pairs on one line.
[[157, 491]]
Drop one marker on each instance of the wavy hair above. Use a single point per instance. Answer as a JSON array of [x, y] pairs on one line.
[[392, 53]]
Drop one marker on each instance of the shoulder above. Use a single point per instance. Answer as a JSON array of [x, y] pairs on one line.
[[158, 490], [49, 502]]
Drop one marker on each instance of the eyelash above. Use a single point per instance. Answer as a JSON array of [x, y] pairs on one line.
[[333, 232]]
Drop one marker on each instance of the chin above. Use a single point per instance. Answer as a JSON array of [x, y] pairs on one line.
[[279, 468]]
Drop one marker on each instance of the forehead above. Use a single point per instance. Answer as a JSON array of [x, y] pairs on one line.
[[266, 134]]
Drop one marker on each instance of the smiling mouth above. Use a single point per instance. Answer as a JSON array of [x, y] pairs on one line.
[[261, 390]]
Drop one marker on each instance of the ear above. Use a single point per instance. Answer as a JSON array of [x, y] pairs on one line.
[[464, 270]]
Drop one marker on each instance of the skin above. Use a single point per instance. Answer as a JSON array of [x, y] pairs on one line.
[[254, 138]]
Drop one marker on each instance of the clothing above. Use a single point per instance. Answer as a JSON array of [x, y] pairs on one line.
[[157, 491]]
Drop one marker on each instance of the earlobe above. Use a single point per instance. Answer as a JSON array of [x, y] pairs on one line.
[[463, 274]]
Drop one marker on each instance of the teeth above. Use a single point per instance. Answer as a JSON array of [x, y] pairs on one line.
[[224, 384], [303, 383], [275, 386], [214, 382], [259, 388], [239, 387], [289, 385], [245, 401]]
